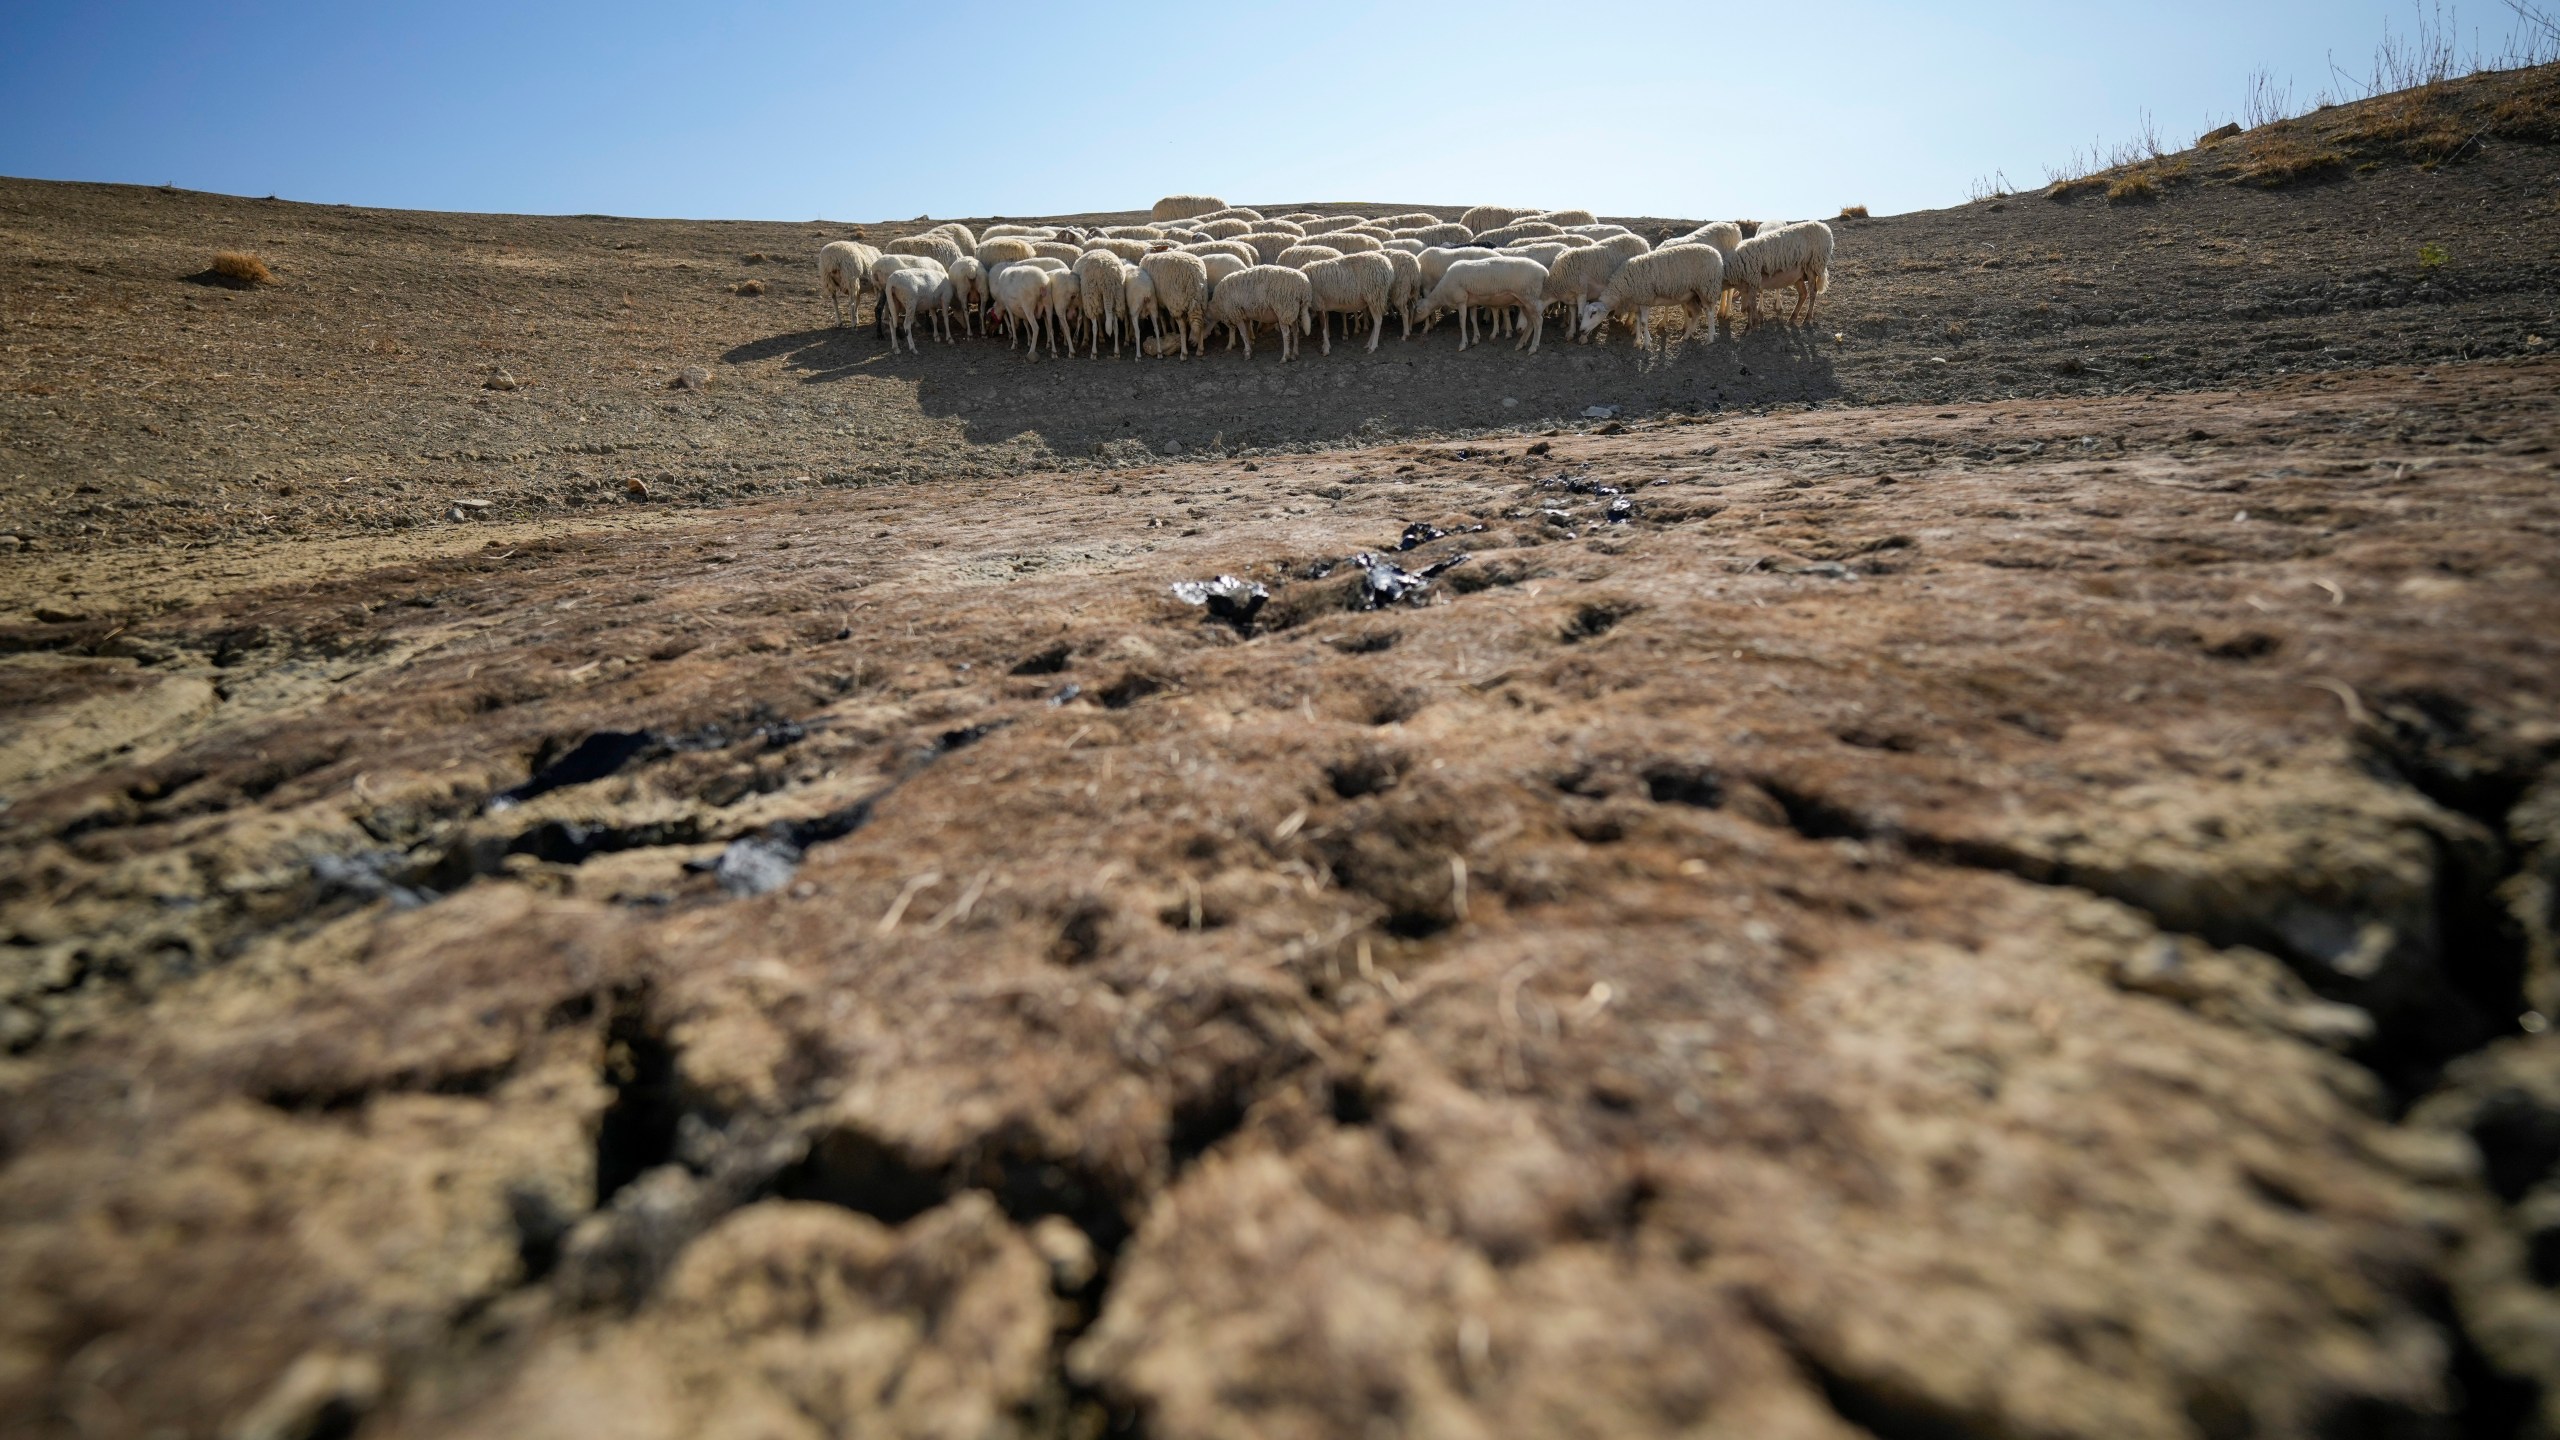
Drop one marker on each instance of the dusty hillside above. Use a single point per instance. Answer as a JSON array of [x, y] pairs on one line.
[[1986, 869]]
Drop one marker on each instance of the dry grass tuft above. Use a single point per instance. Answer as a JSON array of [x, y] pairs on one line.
[[2284, 160], [1853, 212], [748, 287], [239, 267], [2136, 189], [2067, 189]]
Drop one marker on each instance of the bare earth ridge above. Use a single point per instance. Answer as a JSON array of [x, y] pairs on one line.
[[1985, 869]]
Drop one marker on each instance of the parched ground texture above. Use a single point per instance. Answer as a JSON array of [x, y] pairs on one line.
[[1986, 868]]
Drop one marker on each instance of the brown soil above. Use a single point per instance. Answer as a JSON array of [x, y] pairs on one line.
[[2005, 897]]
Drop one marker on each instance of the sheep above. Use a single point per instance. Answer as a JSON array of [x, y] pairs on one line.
[[884, 266], [844, 269], [1280, 227], [1267, 244], [1578, 276], [1184, 207], [1499, 280], [1408, 220], [1299, 257], [1689, 276], [1404, 247], [1221, 265], [1353, 242], [940, 247], [909, 292], [1488, 217], [1003, 250], [1101, 296], [1181, 294], [1326, 225], [969, 289], [1246, 253], [1257, 293], [1132, 232], [1057, 250], [1565, 217], [1235, 212], [1138, 296], [958, 232], [1021, 294], [1435, 262], [1351, 285], [1444, 234], [1119, 248], [1019, 232], [1225, 229], [1796, 255], [1722, 234], [1298, 217], [1524, 230], [1597, 231], [1407, 288], [1062, 303]]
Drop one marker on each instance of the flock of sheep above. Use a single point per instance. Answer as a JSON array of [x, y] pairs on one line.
[[1200, 265]]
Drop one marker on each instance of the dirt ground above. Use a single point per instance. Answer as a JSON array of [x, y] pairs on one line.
[[1987, 868]]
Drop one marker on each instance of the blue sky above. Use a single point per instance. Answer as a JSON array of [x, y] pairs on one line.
[[862, 111]]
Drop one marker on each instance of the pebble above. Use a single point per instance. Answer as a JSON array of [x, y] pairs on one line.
[[691, 377], [499, 379], [637, 488]]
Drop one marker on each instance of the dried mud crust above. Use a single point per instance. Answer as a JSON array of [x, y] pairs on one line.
[[140, 409], [2001, 919]]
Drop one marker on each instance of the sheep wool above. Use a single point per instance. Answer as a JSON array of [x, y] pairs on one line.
[[1003, 250], [1689, 276], [1225, 229], [1489, 217], [844, 270], [1221, 265], [969, 289], [1020, 292], [1102, 295], [910, 293], [1794, 256], [1267, 244], [1182, 294], [1354, 242], [1299, 257], [1523, 230], [1263, 294], [1499, 280], [1113, 245], [1184, 207], [1566, 217], [941, 247], [1577, 277], [1351, 285], [1246, 253], [1407, 290], [1235, 212], [958, 233]]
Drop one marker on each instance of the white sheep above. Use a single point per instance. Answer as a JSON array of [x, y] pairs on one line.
[[912, 292], [1184, 207], [1565, 217], [1260, 293], [1351, 286], [1113, 245], [942, 248], [1797, 255], [1408, 220], [1353, 242], [1523, 230], [1224, 229], [1021, 294], [958, 232], [1689, 276], [1101, 295], [1063, 303], [1487, 217], [1138, 295], [1407, 291], [1181, 295], [969, 289], [1234, 212], [1496, 280], [1065, 250], [1327, 224], [1132, 232], [1267, 244], [1241, 251], [1404, 247], [1221, 265], [884, 266], [1003, 250], [844, 272], [1578, 276], [1282, 227], [1444, 234], [1299, 257]]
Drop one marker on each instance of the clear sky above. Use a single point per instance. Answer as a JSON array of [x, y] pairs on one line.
[[868, 111]]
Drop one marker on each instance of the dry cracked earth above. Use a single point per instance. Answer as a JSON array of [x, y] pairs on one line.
[[1918, 883]]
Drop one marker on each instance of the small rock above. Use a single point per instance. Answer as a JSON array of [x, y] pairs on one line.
[[1510, 403], [471, 504], [499, 379], [8, 543], [1067, 1249], [52, 616], [691, 377], [748, 287], [637, 488], [1600, 412]]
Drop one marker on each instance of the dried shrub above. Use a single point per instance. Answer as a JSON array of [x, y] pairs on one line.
[[2135, 189], [2067, 189], [1853, 212], [2284, 160], [240, 268], [748, 287]]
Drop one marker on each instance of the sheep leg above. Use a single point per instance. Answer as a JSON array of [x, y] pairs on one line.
[[1537, 326], [1377, 325]]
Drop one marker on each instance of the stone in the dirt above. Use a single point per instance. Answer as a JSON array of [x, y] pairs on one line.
[[51, 615], [1600, 412], [1383, 582], [636, 488], [499, 379], [1621, 510], [1420, 532], [1228, 598], [691, 377], [756, 866]]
